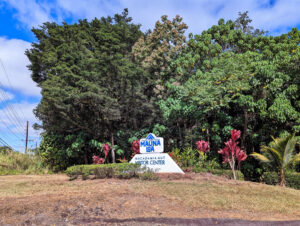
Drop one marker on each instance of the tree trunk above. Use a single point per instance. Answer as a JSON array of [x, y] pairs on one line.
[[112, 148], [180, 135], [245, 128], [85, 157], [232, 165], [191, 132], [185, 133], [282, 178]]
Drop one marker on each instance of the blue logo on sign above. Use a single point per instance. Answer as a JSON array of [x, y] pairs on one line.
[[150, 142], [150, 137]]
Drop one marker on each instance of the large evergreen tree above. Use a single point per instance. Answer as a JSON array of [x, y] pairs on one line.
[[89, 82]]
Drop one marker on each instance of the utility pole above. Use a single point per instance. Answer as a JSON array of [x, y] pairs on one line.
[[26, 141]]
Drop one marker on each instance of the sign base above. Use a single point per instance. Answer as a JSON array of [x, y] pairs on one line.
[[157, 162]]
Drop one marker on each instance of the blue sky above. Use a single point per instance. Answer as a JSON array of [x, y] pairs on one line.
[[20, 94]]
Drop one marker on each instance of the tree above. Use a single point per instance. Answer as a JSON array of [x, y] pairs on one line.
[[157, 49], [90, 85], [236, 79], [280, 153]]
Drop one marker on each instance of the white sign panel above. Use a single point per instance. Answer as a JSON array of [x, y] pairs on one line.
[[152, 144], [159, 163]]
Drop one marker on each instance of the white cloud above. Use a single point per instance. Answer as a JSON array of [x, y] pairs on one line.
[[5, 96], [15, 62], [198, 14], [31, 13]]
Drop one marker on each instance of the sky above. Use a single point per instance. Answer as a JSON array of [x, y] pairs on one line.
[[19, 95]]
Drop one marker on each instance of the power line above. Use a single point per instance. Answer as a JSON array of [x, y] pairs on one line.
[[11, 113], [6, 74], [9, 110], [5, 98], [8, 128], [5, 143]]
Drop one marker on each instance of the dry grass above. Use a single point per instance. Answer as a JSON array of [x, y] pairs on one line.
[[54, 197]]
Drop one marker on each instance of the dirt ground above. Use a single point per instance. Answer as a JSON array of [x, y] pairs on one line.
[[190, 199]]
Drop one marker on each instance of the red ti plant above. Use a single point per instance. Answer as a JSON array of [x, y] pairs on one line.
[[106, 149], [135, 147], [202, 147], [232, 152], [98, 160]]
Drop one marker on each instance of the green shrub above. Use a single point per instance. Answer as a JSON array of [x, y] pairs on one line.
[[273, 178], [187, 157], [148, 175], [252, 170], [18, 163], [118, 170], [219, 172]]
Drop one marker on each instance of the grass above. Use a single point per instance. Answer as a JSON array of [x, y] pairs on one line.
[[196, 197], [12, 163], [227, 196]]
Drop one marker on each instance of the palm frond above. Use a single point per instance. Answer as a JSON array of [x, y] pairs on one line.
[[289, 150], [297, 158], [280, 144], [272, 151], [260, 157]]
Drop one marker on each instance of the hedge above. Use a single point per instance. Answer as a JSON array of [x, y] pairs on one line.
[[292, 179], [118, 170]]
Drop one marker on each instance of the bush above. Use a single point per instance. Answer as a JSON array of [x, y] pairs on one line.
[[189, 157], [292, 179], [220, 172], [118, 170], [185, 158], [148, 175], [252, 169], [18, 163]]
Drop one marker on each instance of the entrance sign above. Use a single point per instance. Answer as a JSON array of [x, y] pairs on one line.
[[152, 158], [152, 144]]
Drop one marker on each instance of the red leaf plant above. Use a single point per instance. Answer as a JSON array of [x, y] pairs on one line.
[[135, 147], [98, 160], [202, 146], [175, 156], [106, 149], [232, 152]]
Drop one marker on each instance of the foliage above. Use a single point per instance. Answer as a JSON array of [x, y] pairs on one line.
[[113, 170], [105, 81], [193, 158], [119, 170], [148, 175], [186, 158], [252, 169], [98, 160], [17, 163], [90, 84], [219, 172], [292, 179], [280, 153], [135, 146], [202, 147], [232, 152]]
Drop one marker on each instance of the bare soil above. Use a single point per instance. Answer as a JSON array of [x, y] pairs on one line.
[[190, 199]]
